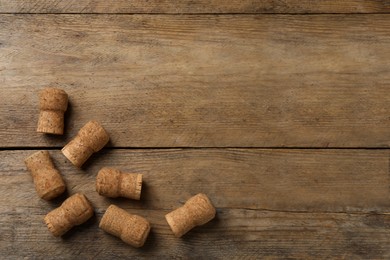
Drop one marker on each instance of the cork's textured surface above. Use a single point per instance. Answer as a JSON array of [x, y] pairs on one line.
[[53, 102], [111, 182], [197, 211], [74, 211], [47, 179], [132, 229], [90, 139]]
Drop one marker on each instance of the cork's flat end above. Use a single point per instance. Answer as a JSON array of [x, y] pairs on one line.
[[138, 187], [145, 235], [55, 232], [106, 216], [70, 157], [53, 193], [171, 223], [50, 130]]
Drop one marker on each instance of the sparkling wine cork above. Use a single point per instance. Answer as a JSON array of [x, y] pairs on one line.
[[47, 179], [53, 103], [132, 229], [74, 211], [90, 139], [113, 183], [197, 211]]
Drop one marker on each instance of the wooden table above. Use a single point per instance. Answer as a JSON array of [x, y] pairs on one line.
[[278, 110]]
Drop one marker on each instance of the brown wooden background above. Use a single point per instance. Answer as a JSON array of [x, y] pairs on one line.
[[278, 110]]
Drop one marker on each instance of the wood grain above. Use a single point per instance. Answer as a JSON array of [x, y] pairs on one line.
[[201, 81], [281, 180], [236, 233], [270, 203], [193, 7]]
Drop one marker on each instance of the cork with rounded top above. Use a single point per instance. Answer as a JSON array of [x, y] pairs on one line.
[[113, 183], [132, 229], [197, 211], [74, 211], [90, 139], [47, 179], [53, 103]]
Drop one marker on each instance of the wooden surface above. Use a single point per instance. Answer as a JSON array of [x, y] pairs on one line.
[[201, 81], [281, 203], [281, 118], [199, 6]]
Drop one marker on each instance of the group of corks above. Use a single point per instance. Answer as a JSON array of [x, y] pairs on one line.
[[110, 182]]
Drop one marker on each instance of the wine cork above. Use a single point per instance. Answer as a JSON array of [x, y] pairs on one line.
[[197, 211], [113, 183], [53, 103], [90, 139], [132, 229], [74, 211], [47, 179]]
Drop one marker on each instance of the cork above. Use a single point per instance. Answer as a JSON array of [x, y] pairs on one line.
[[74, 211], [132, 229], [53, 103], [197, 211], [113, 183], [90, 139], [47, 179]]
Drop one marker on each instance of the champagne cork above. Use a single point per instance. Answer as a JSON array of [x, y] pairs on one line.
[[53, 103], [197, 211], [47, 179], [74, 211], [90, 139], [132, 229], [113, 183]]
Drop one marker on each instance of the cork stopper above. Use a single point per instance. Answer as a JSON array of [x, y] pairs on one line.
[[47, 179], [132, 229], [90, 139], [113, 183], [197, 211], [53, 103], [74, 211]]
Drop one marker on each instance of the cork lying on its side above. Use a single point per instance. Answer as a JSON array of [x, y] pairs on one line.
[[132, 229], [53, 103], [47, 179], [197, 211], [74, 211], [90, 139], [113, 183]]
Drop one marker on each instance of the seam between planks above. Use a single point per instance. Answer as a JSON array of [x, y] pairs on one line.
[[199, 148], [194, 14]]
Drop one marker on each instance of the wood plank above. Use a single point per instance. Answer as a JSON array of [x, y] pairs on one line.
[[282, 180], [188, 6], [268, 204], [236, 233], [201, 81]]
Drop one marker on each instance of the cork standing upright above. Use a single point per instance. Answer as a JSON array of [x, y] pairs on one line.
[[53, 102]]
